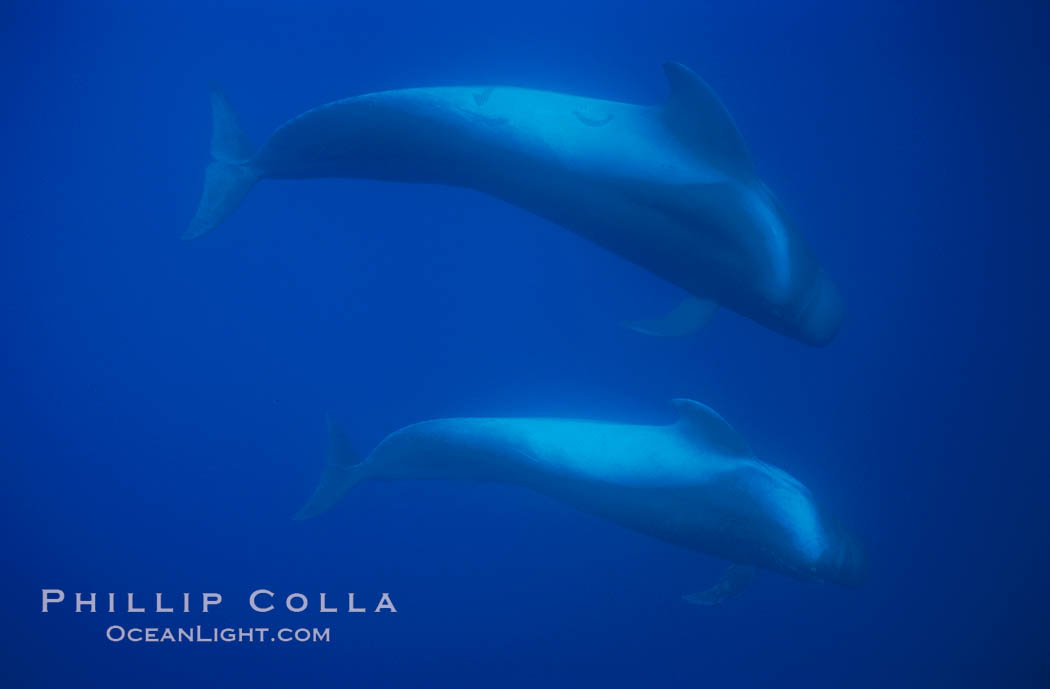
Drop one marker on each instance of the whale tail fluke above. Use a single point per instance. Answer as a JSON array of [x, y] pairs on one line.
[[342, 471], [230, 175]]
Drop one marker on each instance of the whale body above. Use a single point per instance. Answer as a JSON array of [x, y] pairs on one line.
[[669, 187], [694, 483]]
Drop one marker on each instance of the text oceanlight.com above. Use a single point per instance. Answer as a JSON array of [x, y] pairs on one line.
[[199, 634]]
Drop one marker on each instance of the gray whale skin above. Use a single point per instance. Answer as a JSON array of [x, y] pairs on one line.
[[694, 483], [669, 187]]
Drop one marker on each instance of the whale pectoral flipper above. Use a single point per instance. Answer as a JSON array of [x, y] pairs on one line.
[[230, 176], [735, 580], [689, 316], [342, 471]]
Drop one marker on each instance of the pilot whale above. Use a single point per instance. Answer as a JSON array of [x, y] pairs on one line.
[[669, 187], [694, 483]]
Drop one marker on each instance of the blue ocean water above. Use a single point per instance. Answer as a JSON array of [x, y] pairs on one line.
[[165, 399]]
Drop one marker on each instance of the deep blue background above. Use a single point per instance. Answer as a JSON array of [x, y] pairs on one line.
[[163, 401]]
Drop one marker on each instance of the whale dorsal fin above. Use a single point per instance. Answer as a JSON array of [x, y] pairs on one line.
[[703, 422], [698, 116]]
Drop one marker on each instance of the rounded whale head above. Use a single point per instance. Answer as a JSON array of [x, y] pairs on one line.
[[844, 562], [777, 280], [798, 536]]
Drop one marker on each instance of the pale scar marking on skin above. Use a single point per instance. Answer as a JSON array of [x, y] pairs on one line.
[[593, 121], [484, 119]]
